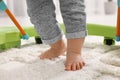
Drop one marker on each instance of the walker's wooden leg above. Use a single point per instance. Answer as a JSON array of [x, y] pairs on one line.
[[118, 23]]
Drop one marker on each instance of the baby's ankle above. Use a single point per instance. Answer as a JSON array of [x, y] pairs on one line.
[[73, 54], [58, 45], [74, 46]]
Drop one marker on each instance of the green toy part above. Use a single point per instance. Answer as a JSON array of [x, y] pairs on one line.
[[11, 37]]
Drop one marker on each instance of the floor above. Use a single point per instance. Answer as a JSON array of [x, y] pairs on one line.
[[102, 63]]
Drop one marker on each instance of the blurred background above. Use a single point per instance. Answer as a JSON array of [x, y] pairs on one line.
[[98, 12]]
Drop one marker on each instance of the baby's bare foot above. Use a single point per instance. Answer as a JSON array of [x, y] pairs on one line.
[[74, 59], [55, 50], [74, 62]]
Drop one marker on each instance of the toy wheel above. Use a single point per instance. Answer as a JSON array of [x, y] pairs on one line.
[[38, 40], [108, 41]]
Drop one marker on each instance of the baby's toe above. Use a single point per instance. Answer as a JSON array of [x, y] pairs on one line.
[[73, 67], [68, 67], [41, 56], [81, 65], [78, 66]]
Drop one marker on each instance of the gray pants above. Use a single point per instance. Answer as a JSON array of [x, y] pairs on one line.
[[42, 15]]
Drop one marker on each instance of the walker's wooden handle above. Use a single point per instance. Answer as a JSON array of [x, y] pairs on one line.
[[15, 22], [118, 23]]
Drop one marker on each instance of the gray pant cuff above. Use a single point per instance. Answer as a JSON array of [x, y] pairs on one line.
[[80, 34], [51, 41]]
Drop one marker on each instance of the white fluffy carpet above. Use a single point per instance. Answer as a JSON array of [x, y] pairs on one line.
[[102, 63]]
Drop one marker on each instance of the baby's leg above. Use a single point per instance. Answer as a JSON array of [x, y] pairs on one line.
[[42, 15], [74, 17]]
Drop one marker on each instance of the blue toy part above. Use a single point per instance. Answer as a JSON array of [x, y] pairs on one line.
[[117, 38], [3, 6], [118, 3], [26, 37]]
